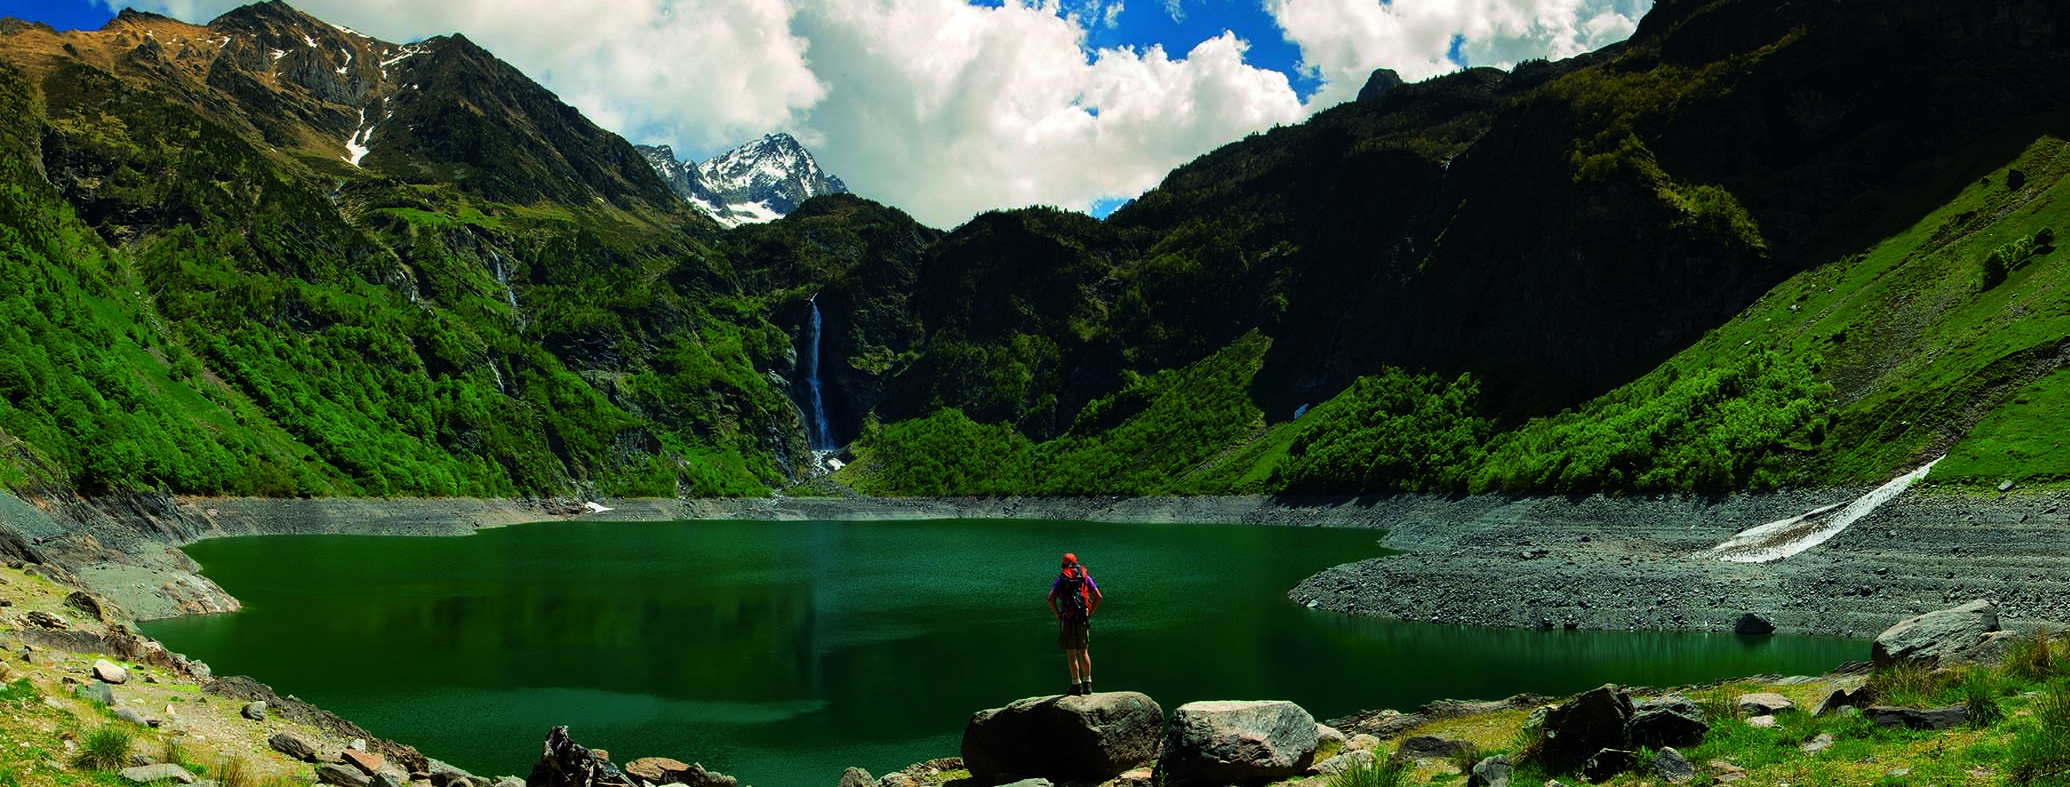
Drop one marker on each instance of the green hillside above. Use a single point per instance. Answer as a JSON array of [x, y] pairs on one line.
[[1748, 248]]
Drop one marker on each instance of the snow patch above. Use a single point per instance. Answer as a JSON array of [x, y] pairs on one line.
[[310, 40], [1783, 538], [595, 507], [279, 53], [356, 145]]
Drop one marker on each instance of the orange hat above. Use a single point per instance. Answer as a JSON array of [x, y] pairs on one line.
[[1070, 558]]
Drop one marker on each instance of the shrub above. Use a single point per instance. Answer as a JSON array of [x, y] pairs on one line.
[[233, 772], [17, 691], [1980, 696], [105, 749], [1718, 704], [1907, 684]]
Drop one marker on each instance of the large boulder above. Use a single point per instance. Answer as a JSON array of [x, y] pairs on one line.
[[1432, 747], [288, 744], [1231, 742], [1766, 703], [1666, 720], [565, 763], [1577, 730], [1967, 634], [1092, 737]]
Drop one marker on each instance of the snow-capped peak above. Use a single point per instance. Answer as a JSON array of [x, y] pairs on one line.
[[763, 180]]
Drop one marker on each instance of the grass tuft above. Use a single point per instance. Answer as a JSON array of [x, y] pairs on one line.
[[2040, 753], [2033, 658], [106, 748], [1385, 773]]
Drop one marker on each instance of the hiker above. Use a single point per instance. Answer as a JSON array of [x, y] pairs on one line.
[[1073, 598]]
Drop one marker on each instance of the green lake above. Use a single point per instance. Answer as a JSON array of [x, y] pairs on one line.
[[783, 652]]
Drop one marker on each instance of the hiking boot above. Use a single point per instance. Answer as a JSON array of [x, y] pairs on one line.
[[1085, 689]]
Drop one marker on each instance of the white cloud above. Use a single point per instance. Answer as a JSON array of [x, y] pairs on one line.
[[1342, 41], [944, 108]]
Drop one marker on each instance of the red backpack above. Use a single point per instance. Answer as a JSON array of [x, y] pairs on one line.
[[1074, 599]]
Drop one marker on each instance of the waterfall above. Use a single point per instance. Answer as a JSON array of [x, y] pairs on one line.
[[508, 293], [821, 434]]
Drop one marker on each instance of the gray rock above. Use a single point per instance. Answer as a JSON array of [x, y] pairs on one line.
[[1672, 767], [1068, 738], [85, 602], [110, 672], [256, 711], [1593, 722], [657, 770], [132, 716], [1431, 747], [1033, 781], [1963, 635], [1677, 702], [1667, 725], [388, 777], [164, 771], [1753, 625], [299, 749], [1225, 742], [1818, 744], [1763, 704], [857, 777], [508, 781], [442, 774], [1351, 759], [1607, 763], [1842, 698], [99, 693], [1491, 772], [1913, 718], [342, 775], [898, 779]]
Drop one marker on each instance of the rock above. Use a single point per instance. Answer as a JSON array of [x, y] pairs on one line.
[[657, 770], [1585, 725], [132, 716], [1329, 740], [1225, 742], [1753, 625], [508, 781], [1140, 777], [110, 672], [164, 771], [1916, 719], [86, 603], [1431, 747], [1818, 744], [564, 763], [256, 711], [1607, 763], [1346, 761], [1491, 772], [857, 777], [1035, 781], [900, 779], [1761, 722], [1763, 704], [99, 693], [367, 762], [299, 749], [1379, 83], [1672, 767], [1966, 634], [1842, 698], [342, 776], [1363, 742], [41, 619], [1671, 721], [1075, 738], [390, 776], [442, 774]]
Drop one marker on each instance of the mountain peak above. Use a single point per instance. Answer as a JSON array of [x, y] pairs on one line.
[[762, 180]]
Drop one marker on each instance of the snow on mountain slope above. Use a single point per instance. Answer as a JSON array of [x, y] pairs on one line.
[[763, 180]]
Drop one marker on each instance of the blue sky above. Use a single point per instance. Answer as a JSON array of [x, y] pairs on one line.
[[945, 108]]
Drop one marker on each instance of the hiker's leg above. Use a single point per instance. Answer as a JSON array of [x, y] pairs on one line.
[[1085, 668], [1072, 659]]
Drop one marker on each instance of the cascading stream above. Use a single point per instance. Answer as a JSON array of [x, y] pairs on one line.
[[822, 434]]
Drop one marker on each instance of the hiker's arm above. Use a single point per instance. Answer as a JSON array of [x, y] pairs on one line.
[[1095, 599], [1052, 601]]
